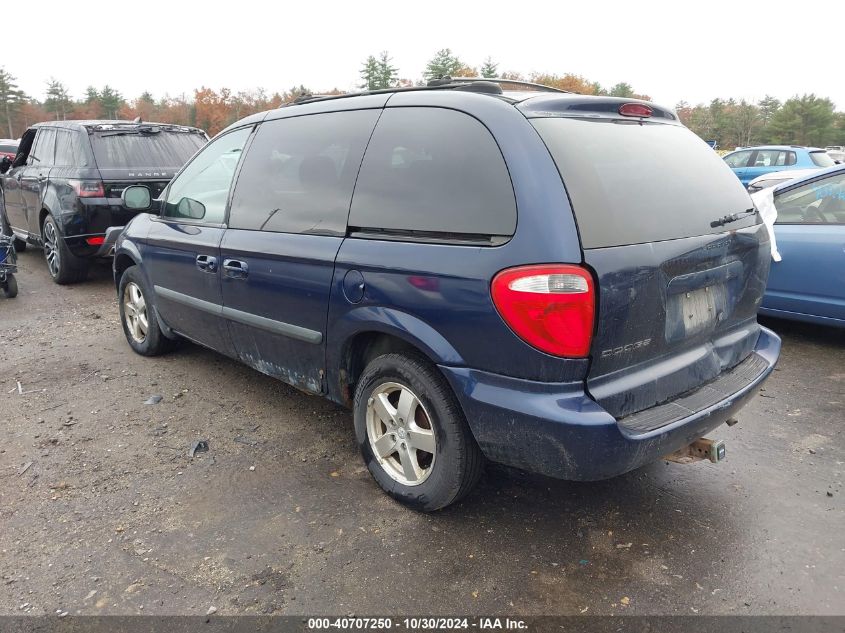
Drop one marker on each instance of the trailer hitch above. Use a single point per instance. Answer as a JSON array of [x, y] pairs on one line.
[[700, 449]]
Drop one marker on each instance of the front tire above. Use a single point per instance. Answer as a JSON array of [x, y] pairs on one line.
[[412, 433], [138, 316], [64, 266]]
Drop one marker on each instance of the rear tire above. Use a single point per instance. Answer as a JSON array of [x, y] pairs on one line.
[[10, 288], [64, 266], [394, 447], [138, 315]]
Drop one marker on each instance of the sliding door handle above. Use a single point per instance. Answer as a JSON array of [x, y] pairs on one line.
[[235, 268]]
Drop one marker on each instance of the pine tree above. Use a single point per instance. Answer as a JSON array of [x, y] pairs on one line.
[[387, 75], [443, 64], [489, 69], [370, 74], [11, 99], [768, 106], [806, 120], [377, 72], [58, 100], [111, 100]]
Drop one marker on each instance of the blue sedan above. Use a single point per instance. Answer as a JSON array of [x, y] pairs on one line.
[[750, 162], [809, 283]]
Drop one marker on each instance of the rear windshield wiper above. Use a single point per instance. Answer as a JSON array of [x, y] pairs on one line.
[[733, 217]]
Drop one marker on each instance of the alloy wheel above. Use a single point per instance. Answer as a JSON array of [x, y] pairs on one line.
[[401, 434], [135, 312], [51, 249]]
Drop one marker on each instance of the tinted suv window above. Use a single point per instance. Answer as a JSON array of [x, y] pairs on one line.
[[68, 149], [631, 183], [206, 180], [298, 174], [436, 171], [158, 148], [45, 148]]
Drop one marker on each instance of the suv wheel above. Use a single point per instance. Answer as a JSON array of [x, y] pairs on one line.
[[64, 266], [140, 323], [412, 433]]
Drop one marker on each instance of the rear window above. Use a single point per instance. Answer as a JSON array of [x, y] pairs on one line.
[[632, 182], [822, 159], [116, 149]]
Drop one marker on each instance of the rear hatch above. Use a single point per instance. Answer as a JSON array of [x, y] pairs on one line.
[[678, 283], [145, 154]]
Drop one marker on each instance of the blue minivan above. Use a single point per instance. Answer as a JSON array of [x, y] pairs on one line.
[[566, 284]]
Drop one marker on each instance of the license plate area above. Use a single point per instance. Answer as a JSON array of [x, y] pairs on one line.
[[693, 311]]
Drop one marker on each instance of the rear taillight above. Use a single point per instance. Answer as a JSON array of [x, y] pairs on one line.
[[97, 240], [549, 306], [635, 109], [88, 188]]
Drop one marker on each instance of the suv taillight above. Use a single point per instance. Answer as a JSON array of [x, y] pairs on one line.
[[549, 306], [88, 188]]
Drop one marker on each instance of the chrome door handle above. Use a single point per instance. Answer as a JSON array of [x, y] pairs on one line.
[[207, 263], [235, 269]]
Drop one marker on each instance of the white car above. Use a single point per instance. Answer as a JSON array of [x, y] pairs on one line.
[[776, 177]]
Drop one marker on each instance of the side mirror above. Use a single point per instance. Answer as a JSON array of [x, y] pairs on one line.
[[190, 208], [136, 197], [5, 163]]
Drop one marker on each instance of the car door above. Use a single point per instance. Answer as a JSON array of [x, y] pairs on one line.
[[287, 221], [34, 178], [182, 253], [738, 162], [12, 180], [810, 232]]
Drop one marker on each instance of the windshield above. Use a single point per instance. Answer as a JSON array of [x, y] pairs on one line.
[[631, 183], [159, 150]]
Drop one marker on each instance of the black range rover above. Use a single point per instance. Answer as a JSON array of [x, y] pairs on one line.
[[62, 190]]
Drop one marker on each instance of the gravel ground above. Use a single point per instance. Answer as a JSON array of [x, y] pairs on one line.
[[103, 512]]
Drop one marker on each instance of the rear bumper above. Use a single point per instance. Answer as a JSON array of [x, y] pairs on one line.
[[557, 430], [93, 217]]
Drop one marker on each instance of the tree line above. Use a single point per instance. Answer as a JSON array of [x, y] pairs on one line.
[[800, 120]]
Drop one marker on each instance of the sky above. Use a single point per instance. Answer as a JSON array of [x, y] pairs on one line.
[[671, 51]]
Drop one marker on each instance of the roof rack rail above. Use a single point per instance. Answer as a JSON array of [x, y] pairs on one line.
[[448, 81], [472, 84]]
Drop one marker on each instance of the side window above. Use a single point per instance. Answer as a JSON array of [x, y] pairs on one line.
[[436, 171], [45, 148], [818, 202], [69, 153], [298, 174], [766, 158], [738, 159], [791, 159], [200, 192]]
